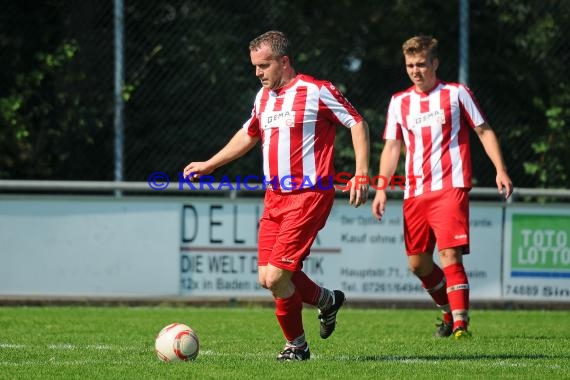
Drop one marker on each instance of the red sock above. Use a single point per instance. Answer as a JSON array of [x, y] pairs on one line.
[[288, 312], [309, 290], [434, 284], [458, 294]]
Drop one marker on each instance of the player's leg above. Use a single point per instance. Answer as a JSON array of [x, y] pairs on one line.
[[433, 281], [303, 215], [288, 310], [282, 249], [451, 226], [457, 288], [267, 236], [315, 207], [288, 303], [419, 241], [329, 301], [311, 292]]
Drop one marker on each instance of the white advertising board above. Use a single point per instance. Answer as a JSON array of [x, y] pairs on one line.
[[100, 246], [89, 247], [537, 253], [354, 252]]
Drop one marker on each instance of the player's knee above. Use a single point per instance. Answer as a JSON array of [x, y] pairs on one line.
[[416, 269], [451, 255], [277, 284], [273, 284], [420, 268], [261, 280]]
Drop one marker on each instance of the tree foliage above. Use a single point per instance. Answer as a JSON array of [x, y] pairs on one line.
[[189, 83], [46, 117]]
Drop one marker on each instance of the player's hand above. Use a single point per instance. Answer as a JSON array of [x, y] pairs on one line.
[[504, 184], [194, 170], [379, 204], [358, 187]]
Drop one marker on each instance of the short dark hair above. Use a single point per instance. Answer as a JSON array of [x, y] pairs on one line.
[[278, 42], [419, 44]]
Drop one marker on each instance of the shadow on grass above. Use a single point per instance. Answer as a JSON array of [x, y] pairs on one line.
[[453, 357]]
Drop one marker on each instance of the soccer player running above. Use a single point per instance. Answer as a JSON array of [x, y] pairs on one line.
[[433, 118], [295, 116]]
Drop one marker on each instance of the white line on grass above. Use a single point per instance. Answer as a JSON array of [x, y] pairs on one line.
[[11, 345], [61, 346], [50, 362]]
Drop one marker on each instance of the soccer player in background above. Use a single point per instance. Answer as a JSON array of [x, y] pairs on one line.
[[434, 119], [295, 116]]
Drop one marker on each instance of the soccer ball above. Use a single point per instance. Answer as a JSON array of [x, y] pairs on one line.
[[176, 342]]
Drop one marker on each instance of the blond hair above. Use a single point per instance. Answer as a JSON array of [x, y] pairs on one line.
[[420, 44]]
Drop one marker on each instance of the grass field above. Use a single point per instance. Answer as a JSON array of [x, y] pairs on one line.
[[241, 343]]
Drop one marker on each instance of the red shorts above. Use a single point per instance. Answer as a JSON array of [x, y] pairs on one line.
[[289, 226], [438, 216]]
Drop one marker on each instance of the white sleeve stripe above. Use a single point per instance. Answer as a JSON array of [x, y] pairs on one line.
[[337, 108]]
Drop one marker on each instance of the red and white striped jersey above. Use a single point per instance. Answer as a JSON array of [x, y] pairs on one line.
[[297, 125], [435, 129]]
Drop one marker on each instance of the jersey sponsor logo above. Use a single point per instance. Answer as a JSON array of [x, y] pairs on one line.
[[426, 119], [279, 119], [462, 236]]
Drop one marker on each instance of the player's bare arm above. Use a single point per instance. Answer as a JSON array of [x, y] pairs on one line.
[[239, 144], [388, 164], [359, 183], [491, 145]]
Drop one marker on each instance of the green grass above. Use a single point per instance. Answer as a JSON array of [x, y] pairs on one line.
[[241, 343]]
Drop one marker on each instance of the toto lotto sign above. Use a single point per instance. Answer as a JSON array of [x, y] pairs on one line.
[[537, 256]]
